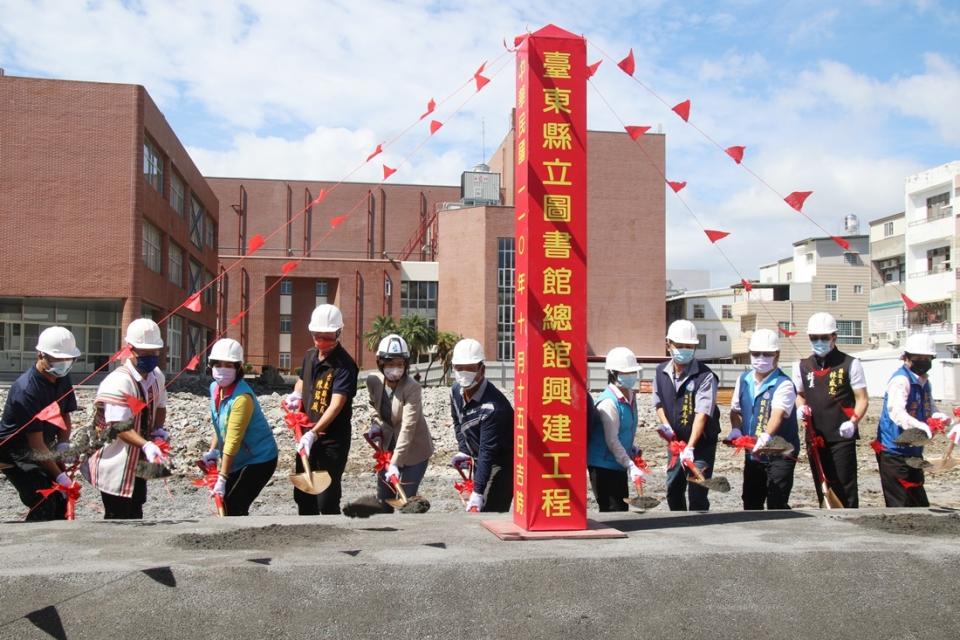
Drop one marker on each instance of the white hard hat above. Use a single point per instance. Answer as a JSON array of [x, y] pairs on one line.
[[682, 332], [58, 342], [144, 333], [764, 340], [622, 360], [920, 344], [393, 346], [227, 350], [325, 318], [821, 324], [467, 351]]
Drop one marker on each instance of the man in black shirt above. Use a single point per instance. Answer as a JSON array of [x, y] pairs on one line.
[[25, 439], [325, 391]]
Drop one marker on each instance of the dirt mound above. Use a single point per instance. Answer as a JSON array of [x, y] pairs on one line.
[[911, 524], [271, 536]]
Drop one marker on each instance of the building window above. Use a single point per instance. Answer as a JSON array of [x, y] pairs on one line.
[[789, 276], [285, 361], [320, 289], [177, 193], [196, 222], [830, 292], [175, 264], [892, 269], [505, 298], [858, 288], [209, 232], [152, 253], [748, 323], [174, 343], [783, 325], [286, 287], [152, 165], [810, 258], [887, 229], [723, 337], [698, 312], [726, 311], [210, 291], [938, 260], [937, 206], [701, 341], [419, 297], [849, 332], [852, 259], [196, 277], [286, 323]]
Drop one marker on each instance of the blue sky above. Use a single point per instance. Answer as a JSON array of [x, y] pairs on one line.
[[845, 99]]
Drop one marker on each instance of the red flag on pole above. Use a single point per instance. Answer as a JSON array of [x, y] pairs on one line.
[[256, 242], [716, 235], [736, 152], [682, 109], [676, 186], [627, 63], [636, 131], [51, 413], [193, 303], [388, 171], [797, 198]]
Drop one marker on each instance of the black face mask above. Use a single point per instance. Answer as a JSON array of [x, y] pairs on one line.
[[920, 367]]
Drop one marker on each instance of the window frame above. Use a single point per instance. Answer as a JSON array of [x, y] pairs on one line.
[[155, 265]]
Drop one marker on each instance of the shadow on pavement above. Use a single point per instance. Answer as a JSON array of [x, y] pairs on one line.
[[699, 520]]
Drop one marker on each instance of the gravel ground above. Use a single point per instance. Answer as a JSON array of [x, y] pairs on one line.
[[189, 424]]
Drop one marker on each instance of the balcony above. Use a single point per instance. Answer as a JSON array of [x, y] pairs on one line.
[[934, 214], [934, 225]]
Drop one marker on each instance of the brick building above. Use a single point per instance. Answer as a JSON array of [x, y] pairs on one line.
[[104, 219]]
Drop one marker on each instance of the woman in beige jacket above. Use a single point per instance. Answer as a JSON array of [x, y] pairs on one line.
[[397, 398]]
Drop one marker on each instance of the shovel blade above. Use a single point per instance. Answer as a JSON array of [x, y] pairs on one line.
[[642, 502], [716, 483], [913, 438], [917, 463], [315, 483], [941, 465]]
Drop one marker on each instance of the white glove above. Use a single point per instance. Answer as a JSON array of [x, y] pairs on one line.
[[161, 433], [475, 503], [686, 455], [306, 443], [733, 435], [666, 432], [392, 474], [152, 452], [211, 456], [636, 473], [375, 431], [762, 440], [63, 480], [847, 429], [220, 489], [460, 461], [954, 433], [292, 401]]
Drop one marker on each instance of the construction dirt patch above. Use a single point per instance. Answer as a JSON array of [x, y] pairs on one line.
[[271, 536], [911, 524]]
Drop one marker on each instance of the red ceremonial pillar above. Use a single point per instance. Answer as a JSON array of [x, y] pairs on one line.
[[550, 391]]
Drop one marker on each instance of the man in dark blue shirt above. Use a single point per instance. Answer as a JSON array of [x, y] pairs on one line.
[[483, 424], [25, 441]]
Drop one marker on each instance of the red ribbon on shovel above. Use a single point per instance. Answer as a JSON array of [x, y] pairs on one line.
[[72, 493], [209, 480], [676, 448], [465, 487], [741, 443]]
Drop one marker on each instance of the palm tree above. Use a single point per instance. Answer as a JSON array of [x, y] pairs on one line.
[[382, 326], [418, 334], [443, 351]]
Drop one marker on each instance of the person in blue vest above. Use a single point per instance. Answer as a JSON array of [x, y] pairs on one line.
[[685, 399], [242, 439], [907, 404], [764, 405], [610, 450]]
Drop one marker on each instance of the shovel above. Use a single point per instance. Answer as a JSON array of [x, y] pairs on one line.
[[945, 463], [814, 442], [209, 479], [718, 483], [312, 482], [641, 502], [465, 487], [401, 499], [913, 437]]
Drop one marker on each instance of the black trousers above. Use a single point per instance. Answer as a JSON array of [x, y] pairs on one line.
[[767, 482], [332, 459], [893, 470], [839, 460], [119, 508], [678, 489], [609, 488], [245, 485], [27, 479], [498, 494]]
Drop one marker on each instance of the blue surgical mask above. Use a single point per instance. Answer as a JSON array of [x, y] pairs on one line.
[[682, 355], [60, 369], [821, 347], [627, 380], [146, 364]]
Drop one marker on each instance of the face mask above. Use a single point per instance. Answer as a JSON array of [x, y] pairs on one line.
[[627, 380], [60, 369], [682, 356], [465, 378], [393, 373], [324, 345], [762, 364], [920, 367], [146, 364], [821, 347], [224, 376]]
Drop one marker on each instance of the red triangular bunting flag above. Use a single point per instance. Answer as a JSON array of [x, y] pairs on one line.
[[592, 68], [388, 171], [237, 318], [747, 285], [194, 363], [51, 413], [715, 235], [136, 404], [797, 198], [908, 303], [683, 110], [480, 69], [627, 63], [431, 105], [335, 222], [123, 354], [676, 186], [481, 81], [787, 332], [636, 131], [375, 153], [840, 241], [289, 266], [736, 153], [193, 303], [255, 243], [319, 198], [435, 126]]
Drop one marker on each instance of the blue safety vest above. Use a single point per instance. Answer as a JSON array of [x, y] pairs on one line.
[[598, 455], [258, 444], [919, 405], [756, 404]]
